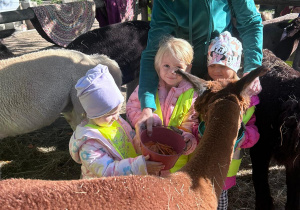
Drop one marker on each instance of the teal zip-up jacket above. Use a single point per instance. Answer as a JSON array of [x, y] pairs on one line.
[[198, 21]]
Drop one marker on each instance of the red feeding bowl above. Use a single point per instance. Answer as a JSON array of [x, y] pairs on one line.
[[164, 136]]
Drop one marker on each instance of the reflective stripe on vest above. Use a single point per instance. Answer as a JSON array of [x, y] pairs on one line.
[[248, 114], [181, 108], [234, 167], [118, 138], [235, 163]]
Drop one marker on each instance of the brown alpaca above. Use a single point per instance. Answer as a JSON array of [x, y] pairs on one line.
[[197, 186]]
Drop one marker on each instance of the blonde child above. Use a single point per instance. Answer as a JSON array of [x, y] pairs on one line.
[[103, 143], [224, 59], [175, 97]]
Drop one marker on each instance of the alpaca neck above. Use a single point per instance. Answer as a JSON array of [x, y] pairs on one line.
[[210, 163]]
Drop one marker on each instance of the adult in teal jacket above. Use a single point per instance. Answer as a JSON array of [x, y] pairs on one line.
[[198, 21]]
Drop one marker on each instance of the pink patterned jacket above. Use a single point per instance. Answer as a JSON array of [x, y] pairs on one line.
[[97, 155], [167, 102]]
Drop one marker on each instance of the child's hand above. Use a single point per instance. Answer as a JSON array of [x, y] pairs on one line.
[[254, 88], [187, 140], [153, 167]]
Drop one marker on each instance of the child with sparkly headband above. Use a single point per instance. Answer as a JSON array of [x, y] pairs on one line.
[[103, 143], [223, 61]]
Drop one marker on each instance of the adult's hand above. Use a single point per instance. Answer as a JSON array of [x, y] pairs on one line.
[[254, 88], [145, 122]]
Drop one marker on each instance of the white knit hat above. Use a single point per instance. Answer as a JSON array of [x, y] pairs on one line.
[[225, 50], [98, 92]]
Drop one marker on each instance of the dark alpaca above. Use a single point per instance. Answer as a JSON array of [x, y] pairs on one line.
[[283, 49], [122, 42], [278, 122]]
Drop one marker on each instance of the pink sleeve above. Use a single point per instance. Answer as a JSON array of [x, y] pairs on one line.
[[195, 132], [190, 122], [134, 112], [133, 108], [251, 133], [191, 119], [190, 125], [254, 100]]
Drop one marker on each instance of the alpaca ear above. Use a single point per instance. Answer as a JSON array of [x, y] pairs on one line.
[[189, 68], [245, 81], [198, 84]]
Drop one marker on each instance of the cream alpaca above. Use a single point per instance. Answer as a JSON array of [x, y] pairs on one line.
[[35, 88]]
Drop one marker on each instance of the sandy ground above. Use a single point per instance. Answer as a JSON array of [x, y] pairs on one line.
[[23, 42]]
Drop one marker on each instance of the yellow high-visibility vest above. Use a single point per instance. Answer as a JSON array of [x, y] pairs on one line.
[[118, 138], [181, 108], [235, 163]]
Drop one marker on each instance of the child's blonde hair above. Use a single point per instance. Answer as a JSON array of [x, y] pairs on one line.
[[179, 48]]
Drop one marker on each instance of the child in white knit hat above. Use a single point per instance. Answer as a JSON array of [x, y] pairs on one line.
[[224, 57], [103, 143], [223, 62]]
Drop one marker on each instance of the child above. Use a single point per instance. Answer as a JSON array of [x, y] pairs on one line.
[[175, 97], [103, 143], [224, 59]]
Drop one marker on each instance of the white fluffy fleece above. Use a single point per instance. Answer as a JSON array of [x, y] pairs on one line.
[[35, 88]]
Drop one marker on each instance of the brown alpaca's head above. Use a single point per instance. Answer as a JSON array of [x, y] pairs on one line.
[[211, 91]]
